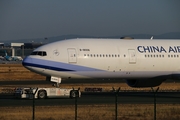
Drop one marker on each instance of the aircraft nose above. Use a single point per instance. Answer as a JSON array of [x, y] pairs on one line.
[[26, 62]]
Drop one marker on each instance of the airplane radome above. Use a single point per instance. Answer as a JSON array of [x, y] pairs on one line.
[[142, 63]]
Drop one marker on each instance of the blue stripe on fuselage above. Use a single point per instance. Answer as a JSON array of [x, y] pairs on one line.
[[45, 67], [57, 66]]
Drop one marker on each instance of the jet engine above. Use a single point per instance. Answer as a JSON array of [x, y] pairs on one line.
[[144, 82]]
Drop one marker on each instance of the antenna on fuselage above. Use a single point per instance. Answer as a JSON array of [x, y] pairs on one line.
[[151, 37]]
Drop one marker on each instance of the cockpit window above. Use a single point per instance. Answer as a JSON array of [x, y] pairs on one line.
[[40, 53], [44, 54], [34, 53]]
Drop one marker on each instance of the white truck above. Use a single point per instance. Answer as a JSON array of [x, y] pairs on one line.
[[42, 93]]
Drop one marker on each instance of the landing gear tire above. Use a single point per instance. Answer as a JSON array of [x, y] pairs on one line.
[[74, 94], [42, 94], [56, 85]]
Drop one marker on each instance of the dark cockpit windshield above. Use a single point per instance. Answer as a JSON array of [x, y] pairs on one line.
[[40, 53]]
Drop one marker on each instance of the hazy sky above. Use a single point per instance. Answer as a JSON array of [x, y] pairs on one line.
[[24, 19]]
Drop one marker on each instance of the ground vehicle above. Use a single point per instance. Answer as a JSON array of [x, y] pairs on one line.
[[42, 93]]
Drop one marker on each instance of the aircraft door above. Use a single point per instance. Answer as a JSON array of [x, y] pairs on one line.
[[72, 55], [132, 56]]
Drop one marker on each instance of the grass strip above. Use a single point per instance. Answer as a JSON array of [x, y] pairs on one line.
[[92, 112]]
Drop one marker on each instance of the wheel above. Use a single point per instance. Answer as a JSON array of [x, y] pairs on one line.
[[42, 94], [73, 94]]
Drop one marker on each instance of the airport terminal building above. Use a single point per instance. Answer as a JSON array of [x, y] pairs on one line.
[[18, 49]]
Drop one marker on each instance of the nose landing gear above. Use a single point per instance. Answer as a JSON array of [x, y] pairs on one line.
[[57, 80]]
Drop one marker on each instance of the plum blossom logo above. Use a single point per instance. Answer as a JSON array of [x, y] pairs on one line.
[[56, 52]]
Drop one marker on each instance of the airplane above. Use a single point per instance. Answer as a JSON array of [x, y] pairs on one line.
[[12, 58], [141, 62]]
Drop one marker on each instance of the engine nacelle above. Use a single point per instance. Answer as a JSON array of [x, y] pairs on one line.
[[144, 82]]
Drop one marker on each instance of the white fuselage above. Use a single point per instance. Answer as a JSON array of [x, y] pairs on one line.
[[107, 58]]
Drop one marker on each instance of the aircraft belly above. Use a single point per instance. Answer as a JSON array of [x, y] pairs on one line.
[[104, 74]]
